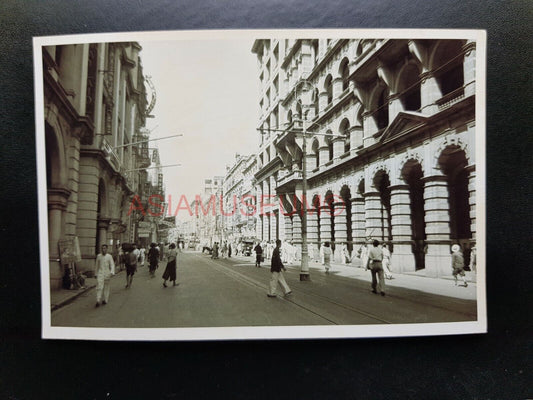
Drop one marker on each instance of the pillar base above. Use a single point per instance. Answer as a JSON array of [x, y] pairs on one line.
[[438, 260], [304, 276], [403, 259]]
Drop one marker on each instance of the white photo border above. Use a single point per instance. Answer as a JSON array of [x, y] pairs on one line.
[[267, 332]]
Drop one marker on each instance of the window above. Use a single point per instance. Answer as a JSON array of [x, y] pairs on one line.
[[329, 88]]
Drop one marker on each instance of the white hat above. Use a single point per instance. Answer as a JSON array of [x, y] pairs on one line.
[[456, 248]]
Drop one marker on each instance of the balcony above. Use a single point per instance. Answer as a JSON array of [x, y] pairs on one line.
[[291, 179], [111, 154]]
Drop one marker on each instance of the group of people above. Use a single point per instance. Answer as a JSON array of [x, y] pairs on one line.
[[132, 257], [224, 251]]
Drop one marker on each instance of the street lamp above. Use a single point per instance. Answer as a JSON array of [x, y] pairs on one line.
[[307, 95]]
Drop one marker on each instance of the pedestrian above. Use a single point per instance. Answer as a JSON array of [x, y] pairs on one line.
[[276, 267], [458, 264], [473, 256], [386, 261], [137, 253], [375, 257], [326, 254], [229, 250], [364, 256], [224, 250], [142, 255], [344, 254], [153, 258], [104, 269], [258, 255], [131, 264], [120, 258], [214, 254], [170, 270]]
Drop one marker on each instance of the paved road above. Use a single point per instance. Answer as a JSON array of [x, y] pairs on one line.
[[232, 292]]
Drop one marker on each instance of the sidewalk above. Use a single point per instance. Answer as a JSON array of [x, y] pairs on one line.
[[443, 286], [62, 297]]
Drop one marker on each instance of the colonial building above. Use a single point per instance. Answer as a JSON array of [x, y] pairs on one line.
[[239, 199], [95, 106], [389, 149]]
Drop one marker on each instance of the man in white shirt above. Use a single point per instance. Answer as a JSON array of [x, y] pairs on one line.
[[104, 269]]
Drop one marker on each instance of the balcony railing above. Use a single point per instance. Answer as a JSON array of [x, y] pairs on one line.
[[111, 154]]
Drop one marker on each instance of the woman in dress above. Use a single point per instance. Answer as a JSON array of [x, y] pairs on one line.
[[170, 270]]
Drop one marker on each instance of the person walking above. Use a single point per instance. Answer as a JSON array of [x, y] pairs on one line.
[[104, 269], [170, 270], [326, 254], [386, 261], [131, 264], [153, 258], [276, 267], [229, 250], [375, 257], [458, 264], [258, 255], [142, 255], [224, 250]]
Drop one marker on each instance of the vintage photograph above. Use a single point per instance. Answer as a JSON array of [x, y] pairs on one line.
[[204, 185]]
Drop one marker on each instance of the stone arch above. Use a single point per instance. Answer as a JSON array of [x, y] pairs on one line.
[[56, 163], [344, 130], [343, 72], [407, 160], [315, 149], [452, 142], [379, 104], [446, 63], [359, 48], [328, 88], [377, 170], [408, 85]]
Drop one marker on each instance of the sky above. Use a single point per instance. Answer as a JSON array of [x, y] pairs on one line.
[[207, 90]]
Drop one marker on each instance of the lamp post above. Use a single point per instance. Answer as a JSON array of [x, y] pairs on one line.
[[304, 269]]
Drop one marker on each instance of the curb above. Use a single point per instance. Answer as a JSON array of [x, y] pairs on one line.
[[70, 299]]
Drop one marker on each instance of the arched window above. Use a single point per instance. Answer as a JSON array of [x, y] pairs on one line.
[[409, 88], [328, 86], [345, 73], [315, 101], [359, 49], [299, 115], [344, 130], [289, 117], [381, 113], [329, 142], [448, 67], [316, 152]]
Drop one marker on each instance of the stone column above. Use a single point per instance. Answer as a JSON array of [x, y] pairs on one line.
[[356, 138], [358, 221], [429, 93], [437, 209], [403, 257], [312, 232], [469, 68], [341, 229], [325, 224], [338, 147], [57, 204], [297, 230], [369, 128], [103, 224], [288, 228], [322, 101], [273, 226], [323, 155], [472, 198], [373, 217], [337, 87], [395, 106], [259, 227]]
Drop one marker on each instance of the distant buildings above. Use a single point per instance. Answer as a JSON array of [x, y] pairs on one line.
[[399, 165], [95, 109]]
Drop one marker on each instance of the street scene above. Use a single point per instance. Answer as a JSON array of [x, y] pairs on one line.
[[231, 292], [261, 181]]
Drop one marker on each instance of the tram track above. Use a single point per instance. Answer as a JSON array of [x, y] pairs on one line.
[[295, 300]]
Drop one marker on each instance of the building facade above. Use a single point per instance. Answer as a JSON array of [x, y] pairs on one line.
[[389, 148], [95, 106]]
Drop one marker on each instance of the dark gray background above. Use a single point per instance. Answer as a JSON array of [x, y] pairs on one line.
[[492, 366]]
